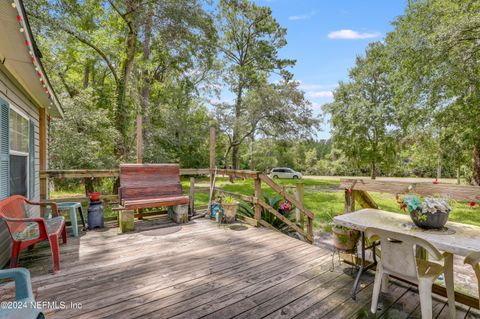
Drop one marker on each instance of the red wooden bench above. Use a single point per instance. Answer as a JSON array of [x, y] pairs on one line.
[[153, 185], [26, 231]]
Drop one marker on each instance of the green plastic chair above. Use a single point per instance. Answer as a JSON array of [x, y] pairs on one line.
[[23, 295]]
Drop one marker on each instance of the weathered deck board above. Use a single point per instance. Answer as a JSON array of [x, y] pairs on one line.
[[202, 270]]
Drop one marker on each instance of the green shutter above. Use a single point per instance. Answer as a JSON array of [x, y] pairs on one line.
[[31, 160], [4, 150]]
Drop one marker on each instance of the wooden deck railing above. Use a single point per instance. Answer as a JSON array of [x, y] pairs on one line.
[[256, 199]]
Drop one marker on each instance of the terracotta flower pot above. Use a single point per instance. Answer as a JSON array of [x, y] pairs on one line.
[[345, 239], [230, 212], [95, 196]]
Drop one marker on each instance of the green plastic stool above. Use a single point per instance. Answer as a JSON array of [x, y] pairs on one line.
[[72, 208]]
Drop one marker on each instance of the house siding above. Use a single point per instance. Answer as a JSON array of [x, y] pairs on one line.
[[16, 98]]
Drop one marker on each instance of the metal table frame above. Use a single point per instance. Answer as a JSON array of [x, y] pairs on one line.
[[363, 267]]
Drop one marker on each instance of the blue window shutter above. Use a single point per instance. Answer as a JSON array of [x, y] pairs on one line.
[[4, 150], [31, 160]]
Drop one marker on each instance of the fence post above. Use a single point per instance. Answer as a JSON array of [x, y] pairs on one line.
[[299, 194], [349, 201], [258, 196], [192, 195]]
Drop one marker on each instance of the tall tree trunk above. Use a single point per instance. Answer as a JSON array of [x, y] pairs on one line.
[[142, 117], [476, 165], [86, 74], [373, 168], [236, 127], [121, 116]]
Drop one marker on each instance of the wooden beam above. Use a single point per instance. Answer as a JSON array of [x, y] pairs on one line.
[[364, 199], [287, 196], [192, 195], [349, 201], [299, 195], [452, 191], [212, 147], [285, 220], [43, 138], [258, 197]]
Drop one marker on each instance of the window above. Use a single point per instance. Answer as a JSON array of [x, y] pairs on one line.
[[19, 149]]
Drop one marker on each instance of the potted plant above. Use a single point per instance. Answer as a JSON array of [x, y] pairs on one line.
[[345, 238], [431, 214], [230, 206]]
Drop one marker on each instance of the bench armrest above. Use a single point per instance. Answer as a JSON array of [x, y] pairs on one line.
[[53, 206]]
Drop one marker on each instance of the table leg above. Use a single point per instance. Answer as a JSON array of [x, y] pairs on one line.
[[363, 267], [80, 209]]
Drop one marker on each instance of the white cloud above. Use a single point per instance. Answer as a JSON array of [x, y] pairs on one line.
[[302, 17], [320, 93], [348, 34]]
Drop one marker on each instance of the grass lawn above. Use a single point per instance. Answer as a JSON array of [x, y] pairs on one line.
[[321, 197]]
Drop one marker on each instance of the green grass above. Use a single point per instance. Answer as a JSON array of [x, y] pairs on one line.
[[323, 200]]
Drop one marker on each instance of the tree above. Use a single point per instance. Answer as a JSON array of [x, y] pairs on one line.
[[278, 111], [131, 53], [250, 38], [435, 49], [363, 113]]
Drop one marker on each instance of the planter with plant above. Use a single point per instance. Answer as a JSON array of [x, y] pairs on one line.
[[344, 238], [431, 214], [230, 206]]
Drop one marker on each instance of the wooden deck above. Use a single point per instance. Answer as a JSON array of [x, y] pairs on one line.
[[201, 270]]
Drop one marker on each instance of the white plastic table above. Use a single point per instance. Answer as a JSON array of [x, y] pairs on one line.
[[457, 239]]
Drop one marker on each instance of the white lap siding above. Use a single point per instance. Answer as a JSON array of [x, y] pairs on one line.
[[16, 98]]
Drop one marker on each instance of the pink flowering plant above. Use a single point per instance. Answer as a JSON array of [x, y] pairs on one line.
[[285, 206]]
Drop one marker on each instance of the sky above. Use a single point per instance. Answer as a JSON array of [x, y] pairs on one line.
[[325, 36]]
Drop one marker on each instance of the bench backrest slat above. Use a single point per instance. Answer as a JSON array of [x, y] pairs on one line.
[[140, 181]]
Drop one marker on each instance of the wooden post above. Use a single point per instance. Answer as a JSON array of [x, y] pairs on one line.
[[310, 229], [212, 163], [349, 201], [43, 125], [212, 147], [192, 196], [212, 153], [299, 194], [258, 197], [139, 138]]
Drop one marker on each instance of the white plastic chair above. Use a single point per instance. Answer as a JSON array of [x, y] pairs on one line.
[[474, 260], [398, 259]]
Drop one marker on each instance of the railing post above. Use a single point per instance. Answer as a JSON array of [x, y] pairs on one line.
[[258, 196], [310, 229], [192, 195], [349, 201], [299, 195]]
